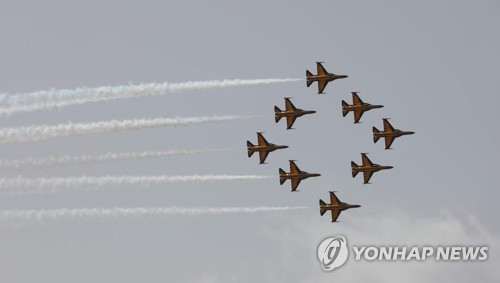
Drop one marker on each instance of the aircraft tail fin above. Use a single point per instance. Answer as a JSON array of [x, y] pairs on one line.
[[250, 150], [309, 76], [276, 111], [322, 210], [354, 166], [282, 176], [375, 137], [344, 111]]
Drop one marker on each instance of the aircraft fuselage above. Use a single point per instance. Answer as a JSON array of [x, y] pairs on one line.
[[294, 113], [339, 207], [327, 77], [374, 168], [300, 176], [270, 147], [365, 107], [394, 134]]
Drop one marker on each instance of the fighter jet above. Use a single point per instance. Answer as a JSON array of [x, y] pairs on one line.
[[358, 107], [368, 168], [295, 175], [389, 133], [336, 206], [323, 77], [263, 147], [291, 113]]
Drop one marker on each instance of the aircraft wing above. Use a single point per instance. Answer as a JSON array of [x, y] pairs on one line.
[[334, 199], [263, 155], [367, 176], [335, 214], [357, 115], [388, 142], [321, 70], [295, 184], [294, 169], [356, 100], [289, 121], [366, 160], [387, 126], [322, 85], [262, 141], [289, 107]]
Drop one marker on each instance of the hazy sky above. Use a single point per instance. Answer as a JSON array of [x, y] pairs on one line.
[[433, 64]]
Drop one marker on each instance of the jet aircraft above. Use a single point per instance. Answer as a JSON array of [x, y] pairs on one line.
[[323, 77], [291, 113], [295, 175], [389, 134], [336, 206], [263, 147], [358, 107], [368, 168]]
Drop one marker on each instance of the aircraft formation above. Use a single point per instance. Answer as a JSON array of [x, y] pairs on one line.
[[291, 113]]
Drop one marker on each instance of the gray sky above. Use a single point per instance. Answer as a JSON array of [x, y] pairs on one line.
[[432, 64]]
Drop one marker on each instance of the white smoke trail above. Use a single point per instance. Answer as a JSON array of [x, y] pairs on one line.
[[107, 157], [75, 213], [21, 185], [43, 132], [51, 99]]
